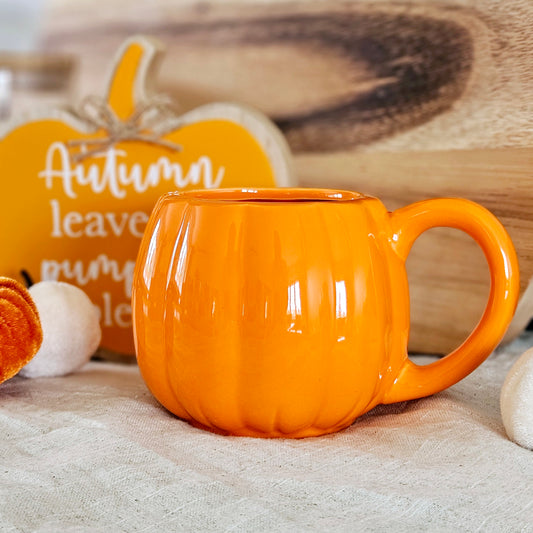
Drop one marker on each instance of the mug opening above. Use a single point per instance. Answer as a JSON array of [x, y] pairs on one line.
[[269, 195]]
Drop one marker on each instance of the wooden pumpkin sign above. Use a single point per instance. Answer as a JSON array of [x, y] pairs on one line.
[[78, 187]]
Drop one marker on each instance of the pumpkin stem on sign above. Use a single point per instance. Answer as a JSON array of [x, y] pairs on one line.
[[134, 67]]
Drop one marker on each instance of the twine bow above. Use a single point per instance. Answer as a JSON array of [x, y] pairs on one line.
[[139, 126]]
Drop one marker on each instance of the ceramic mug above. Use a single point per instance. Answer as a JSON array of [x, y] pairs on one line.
[[285, 312]]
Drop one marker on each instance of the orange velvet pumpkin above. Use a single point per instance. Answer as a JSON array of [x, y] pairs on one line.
[[20, 328]]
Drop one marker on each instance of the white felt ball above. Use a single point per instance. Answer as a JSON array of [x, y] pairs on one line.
[[516, 401], [71, 329]]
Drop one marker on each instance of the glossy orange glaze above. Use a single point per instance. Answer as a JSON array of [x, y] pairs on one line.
[[285, 312]]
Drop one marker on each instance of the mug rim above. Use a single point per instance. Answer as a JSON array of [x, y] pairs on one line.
[[266, 195]]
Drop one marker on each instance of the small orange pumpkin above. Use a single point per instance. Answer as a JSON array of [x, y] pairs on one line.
[[20, 328]]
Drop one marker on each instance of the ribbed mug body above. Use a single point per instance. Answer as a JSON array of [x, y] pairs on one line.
[[270, 316]]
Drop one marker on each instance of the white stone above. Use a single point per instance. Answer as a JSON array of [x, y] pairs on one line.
[[516, 401], [71, 329]]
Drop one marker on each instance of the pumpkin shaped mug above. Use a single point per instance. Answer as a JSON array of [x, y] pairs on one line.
[[285, 312]]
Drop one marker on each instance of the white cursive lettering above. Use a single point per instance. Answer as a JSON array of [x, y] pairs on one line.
[[76, 271], [93, 224], [115, 175]]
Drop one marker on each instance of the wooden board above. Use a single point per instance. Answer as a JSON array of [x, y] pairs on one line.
[[401, 100]]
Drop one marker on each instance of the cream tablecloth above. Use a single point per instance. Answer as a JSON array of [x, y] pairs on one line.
[[95, 452]]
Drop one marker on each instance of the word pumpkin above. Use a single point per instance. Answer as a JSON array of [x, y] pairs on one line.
[[78, 187]]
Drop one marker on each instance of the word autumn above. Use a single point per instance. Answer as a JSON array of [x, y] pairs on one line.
[[115, 176]]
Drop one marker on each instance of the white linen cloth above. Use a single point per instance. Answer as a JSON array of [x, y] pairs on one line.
[[95, 452]]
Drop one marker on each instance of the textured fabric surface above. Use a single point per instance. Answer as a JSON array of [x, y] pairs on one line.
[[95, 452]]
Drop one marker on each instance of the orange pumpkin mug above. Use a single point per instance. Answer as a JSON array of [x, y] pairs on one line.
[[285, 312]]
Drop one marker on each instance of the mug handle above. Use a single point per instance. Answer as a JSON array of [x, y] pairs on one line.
[[415, 381]]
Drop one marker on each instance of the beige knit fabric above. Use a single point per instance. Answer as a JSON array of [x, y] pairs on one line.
[[95, 452]]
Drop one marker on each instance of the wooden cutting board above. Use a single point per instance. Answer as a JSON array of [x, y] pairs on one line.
[[402, 100]]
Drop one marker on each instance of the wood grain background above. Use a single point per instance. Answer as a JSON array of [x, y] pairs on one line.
[[403, 100]]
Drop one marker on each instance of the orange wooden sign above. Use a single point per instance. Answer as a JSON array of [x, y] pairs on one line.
[[77, 188]]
